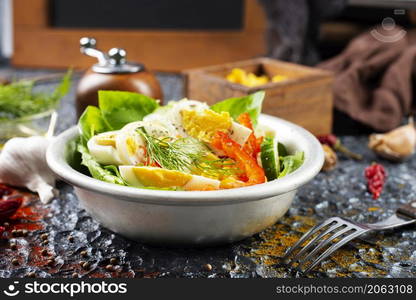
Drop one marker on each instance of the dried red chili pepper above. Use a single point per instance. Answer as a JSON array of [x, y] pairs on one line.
[[335, 143], [9, 206], [328, 139], [376, 177], [5, 190]]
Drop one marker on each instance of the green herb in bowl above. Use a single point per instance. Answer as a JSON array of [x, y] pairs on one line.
[[25, 112]]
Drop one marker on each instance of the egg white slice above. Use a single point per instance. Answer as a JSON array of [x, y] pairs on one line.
[[127, 173], [130, 144], [239, 133], [201, 183], [159, 128], [194, 183], [173, 116], [104, 154]]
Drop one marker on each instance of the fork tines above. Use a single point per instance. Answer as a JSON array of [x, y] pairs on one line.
[[322, 242]]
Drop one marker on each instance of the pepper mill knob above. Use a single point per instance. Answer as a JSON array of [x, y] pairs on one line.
[[86, 42], [112, 72], [87, 46], [117, 56]]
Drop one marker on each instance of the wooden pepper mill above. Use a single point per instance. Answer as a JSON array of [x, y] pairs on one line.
[[113, 72]]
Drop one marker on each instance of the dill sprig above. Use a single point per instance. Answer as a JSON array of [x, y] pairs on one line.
[[18, 99], [183, 154], [171, 154]]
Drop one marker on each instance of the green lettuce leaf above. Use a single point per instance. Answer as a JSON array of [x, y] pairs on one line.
[[91, 123], [120, 108], [97, 171], [236, 106], [290, 163], [73, 157]]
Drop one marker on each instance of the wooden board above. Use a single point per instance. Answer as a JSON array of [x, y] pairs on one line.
[[36, 44], [305, 98]]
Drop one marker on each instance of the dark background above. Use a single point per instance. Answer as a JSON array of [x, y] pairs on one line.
[[148, 14]]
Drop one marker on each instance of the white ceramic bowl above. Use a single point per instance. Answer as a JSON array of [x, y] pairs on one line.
[[191, 217]]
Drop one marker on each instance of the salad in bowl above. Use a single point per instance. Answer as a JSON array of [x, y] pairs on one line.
[[185, 173], [185, 145]]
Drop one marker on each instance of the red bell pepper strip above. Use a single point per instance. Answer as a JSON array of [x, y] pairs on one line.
[[253, 172], [253, 144]]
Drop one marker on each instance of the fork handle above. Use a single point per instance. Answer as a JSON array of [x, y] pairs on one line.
[[408, 210]]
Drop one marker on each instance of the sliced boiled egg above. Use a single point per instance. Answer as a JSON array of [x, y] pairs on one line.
[[204, 124], [239, 133], [130, 144], [159, 129], [103, 148], [163, 178], [173, 114], [201, 183]]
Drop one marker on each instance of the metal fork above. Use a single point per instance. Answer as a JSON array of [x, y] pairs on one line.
[[336, 232]]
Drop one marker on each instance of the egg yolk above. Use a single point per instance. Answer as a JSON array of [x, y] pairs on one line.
[[202, 125], [106, 141]]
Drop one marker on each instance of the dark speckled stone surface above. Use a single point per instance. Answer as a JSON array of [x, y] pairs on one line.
[[341, 192]]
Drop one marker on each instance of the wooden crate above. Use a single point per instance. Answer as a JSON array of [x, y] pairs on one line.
[[305, 98]]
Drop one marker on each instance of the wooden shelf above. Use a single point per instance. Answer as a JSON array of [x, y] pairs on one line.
[[36, 44]]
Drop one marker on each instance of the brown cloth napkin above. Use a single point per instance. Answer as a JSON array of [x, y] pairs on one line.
[[373, 78]]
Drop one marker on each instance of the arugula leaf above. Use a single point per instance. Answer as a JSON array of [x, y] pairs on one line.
[[236, 106], [290, 163], [106, 174], [120, 108], [91, 122], [18, 99]]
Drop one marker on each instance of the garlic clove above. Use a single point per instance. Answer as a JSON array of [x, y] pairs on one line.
[[331, 158], [23, 164], [45, 190], [395, 145]]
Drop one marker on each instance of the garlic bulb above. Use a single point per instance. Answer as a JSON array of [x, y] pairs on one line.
[[331, 158], [23, 164], [395, 145]]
